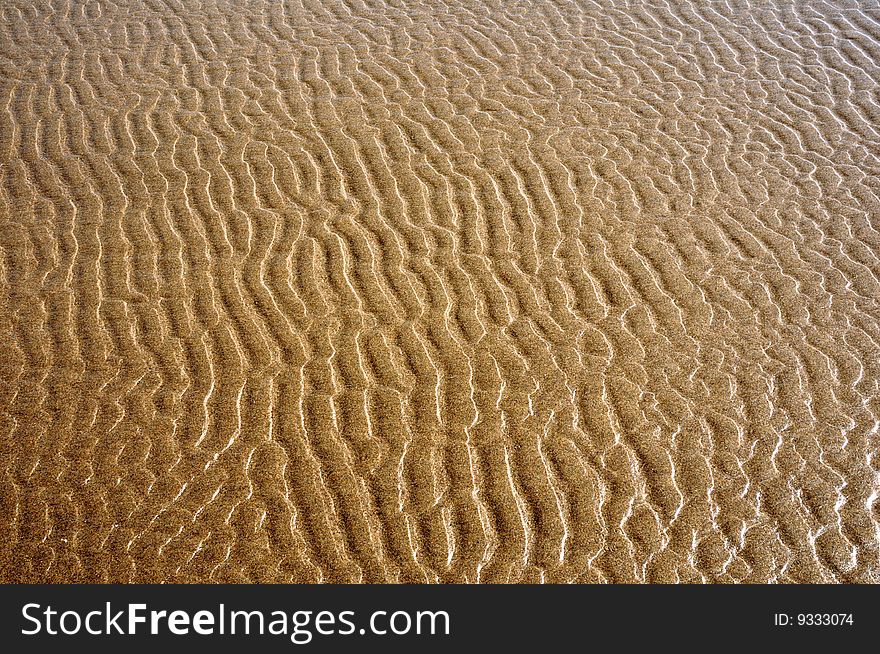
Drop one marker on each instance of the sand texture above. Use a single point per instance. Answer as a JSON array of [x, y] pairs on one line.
[[439, 291]]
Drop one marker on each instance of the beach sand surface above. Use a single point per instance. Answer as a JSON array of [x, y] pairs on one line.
[[439, 291]]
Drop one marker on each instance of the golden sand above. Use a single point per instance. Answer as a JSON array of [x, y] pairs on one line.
[[485, 291]]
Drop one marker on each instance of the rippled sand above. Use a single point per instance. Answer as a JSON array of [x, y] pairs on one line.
[[362, 290]]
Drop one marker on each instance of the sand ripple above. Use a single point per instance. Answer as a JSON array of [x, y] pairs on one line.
[[376, 290]]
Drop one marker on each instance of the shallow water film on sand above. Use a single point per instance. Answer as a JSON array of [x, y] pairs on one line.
[[375, 290]]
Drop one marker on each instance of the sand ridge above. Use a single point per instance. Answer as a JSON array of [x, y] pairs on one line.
[[377, 291]]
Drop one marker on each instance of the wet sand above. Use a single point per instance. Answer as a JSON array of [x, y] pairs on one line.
[[483, 291]]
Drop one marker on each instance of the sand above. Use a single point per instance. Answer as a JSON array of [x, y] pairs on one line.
[[429, 291]]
